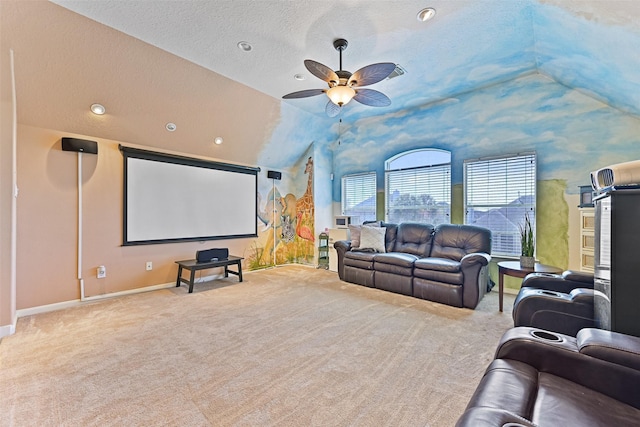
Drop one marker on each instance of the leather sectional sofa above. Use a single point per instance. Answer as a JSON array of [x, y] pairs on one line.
[[539, 378], [446, 264]]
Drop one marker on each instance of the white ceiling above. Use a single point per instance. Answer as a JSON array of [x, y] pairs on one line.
[[283, 34], [469, 44]]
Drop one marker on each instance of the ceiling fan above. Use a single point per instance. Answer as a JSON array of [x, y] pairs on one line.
[[344, 86]]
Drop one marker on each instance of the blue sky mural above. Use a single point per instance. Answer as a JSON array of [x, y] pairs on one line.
[[535, 77], [572, 133], [597, 58]]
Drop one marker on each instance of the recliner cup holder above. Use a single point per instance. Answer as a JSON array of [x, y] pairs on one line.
[[550, 293], [546, 336]]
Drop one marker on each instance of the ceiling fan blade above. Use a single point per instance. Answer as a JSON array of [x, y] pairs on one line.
[[371, 74], [372, 98], [321, 71], [304, 93], [332, 109]]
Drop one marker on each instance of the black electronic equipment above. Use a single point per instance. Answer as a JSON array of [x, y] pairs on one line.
[[274, 175], [79, 145], [214, 254]]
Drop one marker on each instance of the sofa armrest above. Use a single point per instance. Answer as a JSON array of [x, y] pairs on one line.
[[610, 346], [491, 417], [342, 247], [557, 282], [554, 311], [559, 355], [475, 271], [579, 276], [475, 258]]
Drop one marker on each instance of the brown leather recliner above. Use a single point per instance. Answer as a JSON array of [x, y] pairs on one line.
[[539, 378], [560, 303]]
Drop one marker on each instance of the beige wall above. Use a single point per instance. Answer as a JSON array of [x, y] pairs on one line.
[[65, 62], [48, 217]]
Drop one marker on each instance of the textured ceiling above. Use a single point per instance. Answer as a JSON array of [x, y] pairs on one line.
[[469, 44]]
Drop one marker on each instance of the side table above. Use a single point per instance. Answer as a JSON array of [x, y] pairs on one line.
[[192, 265], [513, 269]]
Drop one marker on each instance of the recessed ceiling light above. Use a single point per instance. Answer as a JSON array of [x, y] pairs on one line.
[[98, 109], [299, 77], [218, 140], [171, 127], [426, 14], [245, 46]]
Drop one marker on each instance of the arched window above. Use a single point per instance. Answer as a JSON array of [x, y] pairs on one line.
[[418, 187]]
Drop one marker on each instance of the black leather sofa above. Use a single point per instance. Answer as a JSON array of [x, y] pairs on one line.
[[559, 303], [447, 263], [539, 378]]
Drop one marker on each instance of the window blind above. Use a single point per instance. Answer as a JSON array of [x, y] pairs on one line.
[[499, 192], [420, 194], [359, 196]]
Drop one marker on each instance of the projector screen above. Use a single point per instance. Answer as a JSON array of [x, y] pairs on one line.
[[173, 198]]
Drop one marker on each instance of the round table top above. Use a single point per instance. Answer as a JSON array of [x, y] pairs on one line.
[[513, 268]]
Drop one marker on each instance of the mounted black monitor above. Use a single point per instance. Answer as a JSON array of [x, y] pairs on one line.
[[170, 198]]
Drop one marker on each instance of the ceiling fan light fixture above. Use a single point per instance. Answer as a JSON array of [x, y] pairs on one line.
[[426, 14], [341, 95]]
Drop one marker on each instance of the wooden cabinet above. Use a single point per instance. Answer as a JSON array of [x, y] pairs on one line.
[[587, 239]]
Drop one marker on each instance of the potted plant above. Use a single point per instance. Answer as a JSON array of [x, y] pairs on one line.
[[528, 244]]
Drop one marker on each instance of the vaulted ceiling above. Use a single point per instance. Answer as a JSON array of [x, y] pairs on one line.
[[590, 45]]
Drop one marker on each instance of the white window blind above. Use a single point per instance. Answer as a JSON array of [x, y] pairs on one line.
[[498, 193], [419, 194], [359, 196]]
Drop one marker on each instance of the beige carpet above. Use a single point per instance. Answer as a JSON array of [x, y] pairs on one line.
[[291, 346]]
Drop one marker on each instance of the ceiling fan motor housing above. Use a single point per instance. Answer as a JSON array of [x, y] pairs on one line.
[[340, 44], [343, 76]]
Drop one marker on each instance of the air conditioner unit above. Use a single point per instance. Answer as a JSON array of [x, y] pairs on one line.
[[621, 174]]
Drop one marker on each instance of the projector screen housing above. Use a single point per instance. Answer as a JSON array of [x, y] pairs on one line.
[[170, 198]]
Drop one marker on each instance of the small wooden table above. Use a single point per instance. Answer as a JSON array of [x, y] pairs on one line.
[[192, 265], [513, 269]]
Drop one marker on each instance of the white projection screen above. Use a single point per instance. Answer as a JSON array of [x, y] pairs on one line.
[[173, 198]]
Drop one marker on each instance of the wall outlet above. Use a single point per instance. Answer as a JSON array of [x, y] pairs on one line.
[[149, 265], [101, 272]]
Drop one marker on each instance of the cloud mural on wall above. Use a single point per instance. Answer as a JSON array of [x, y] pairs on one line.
[[602, 59], [571, 132], [569, 90]]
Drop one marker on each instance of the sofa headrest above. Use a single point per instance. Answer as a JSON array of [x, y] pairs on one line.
[[454, 241], [414, 238]]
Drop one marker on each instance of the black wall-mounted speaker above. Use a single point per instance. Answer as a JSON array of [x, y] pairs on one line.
[[79, 145], [274, 174]]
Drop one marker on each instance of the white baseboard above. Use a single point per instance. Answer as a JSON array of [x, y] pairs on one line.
[[7, 330], [10, 329], [74, 303]]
